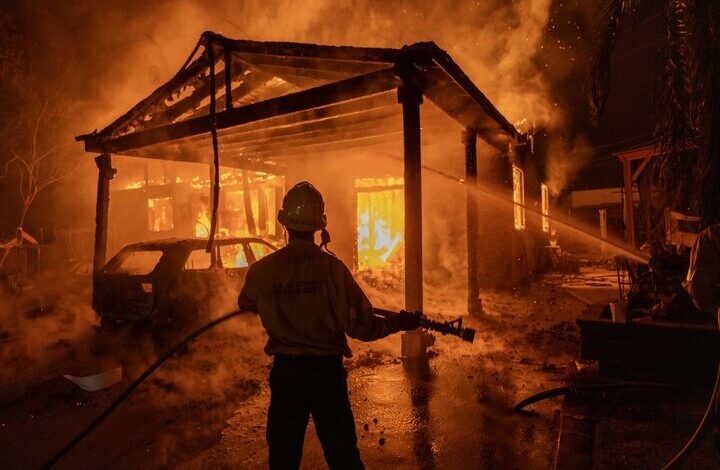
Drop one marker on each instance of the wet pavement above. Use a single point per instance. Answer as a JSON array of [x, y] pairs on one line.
[[207, 407], [451, 411]]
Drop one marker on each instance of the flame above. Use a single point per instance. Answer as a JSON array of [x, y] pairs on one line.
[[160, 214], [545, 207], [380, 221], [136, 185], [518, 198], [202, 224], [233, 220]]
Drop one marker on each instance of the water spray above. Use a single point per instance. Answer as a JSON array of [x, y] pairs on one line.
[[626, 250]]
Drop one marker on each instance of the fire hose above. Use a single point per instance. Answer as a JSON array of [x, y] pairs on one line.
[[452, 328], [576, 389], [680, 457]]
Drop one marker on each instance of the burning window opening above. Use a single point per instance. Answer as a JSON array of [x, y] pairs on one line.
[[545, 207], [202, 224], [380, 222], [518, 198], [160, 214], [175, 201]]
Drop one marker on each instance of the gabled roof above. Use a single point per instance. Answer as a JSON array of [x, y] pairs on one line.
[[288, 99]]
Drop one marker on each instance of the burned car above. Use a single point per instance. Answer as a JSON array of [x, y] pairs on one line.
[[173, 282]]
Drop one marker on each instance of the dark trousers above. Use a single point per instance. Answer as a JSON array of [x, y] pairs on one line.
[[301, 386]]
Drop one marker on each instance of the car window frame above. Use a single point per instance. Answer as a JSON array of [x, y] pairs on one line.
[[121, 255], [261, 242], [246, 250], [213, 260]]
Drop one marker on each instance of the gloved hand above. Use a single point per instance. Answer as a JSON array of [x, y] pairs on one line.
[[408, 320]]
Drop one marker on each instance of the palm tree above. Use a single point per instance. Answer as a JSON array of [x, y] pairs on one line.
[[687, 97]]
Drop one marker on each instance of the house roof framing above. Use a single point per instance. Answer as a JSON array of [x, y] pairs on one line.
[[286, 97]]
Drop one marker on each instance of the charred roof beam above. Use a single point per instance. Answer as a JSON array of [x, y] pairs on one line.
[[343, 90]]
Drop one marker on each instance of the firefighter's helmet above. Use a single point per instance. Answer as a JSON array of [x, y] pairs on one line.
[[303, 209]]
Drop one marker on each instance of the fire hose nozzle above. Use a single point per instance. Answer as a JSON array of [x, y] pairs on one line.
[[453, 328], [468, 334]]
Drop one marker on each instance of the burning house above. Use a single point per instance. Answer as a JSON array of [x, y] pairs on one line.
[[352, 120]]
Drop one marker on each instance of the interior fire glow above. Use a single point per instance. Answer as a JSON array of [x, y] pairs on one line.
[[518, 198], [380, 221], [545, 207]]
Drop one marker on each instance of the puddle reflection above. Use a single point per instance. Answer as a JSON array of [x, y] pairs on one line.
[[420, 377]]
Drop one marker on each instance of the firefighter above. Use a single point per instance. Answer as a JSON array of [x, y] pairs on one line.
[[703, 277], [308, 302], [703, 285]]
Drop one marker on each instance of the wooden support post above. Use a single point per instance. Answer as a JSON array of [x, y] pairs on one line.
[[410, 96], [105, 173], [629, 215], [227, 58], [474, 303], [602, 218], [247, 201]]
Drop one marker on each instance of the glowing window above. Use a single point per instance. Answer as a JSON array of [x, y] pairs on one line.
[[233, 256], [160, 214], [202, 222], [380, 221], [518, 198], [236, 207], [545, 207]]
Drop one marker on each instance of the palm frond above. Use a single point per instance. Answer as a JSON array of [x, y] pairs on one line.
[[612, 13], [706, 105], [675, 128]]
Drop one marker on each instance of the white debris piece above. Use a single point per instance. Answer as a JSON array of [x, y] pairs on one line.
[[93, 383]]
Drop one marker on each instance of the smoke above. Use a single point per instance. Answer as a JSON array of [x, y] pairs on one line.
[[124, 50], [564, 161], [51, 324], [50, 330]]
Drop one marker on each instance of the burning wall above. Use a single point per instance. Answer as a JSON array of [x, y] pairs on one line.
[[159, 199], [495, 42], [363, 189]]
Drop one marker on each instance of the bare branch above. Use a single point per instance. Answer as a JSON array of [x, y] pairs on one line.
[[8, 164]]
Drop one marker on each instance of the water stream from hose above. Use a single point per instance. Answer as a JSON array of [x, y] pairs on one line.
[[586, 233]]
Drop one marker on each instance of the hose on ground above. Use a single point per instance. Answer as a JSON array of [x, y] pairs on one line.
[[578, 388], [136, 383], [683, 453], [680, 457]]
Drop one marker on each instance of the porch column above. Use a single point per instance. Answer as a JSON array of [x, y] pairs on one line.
[[474, 303], [628, 202], [410, 96], [105, 173]]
